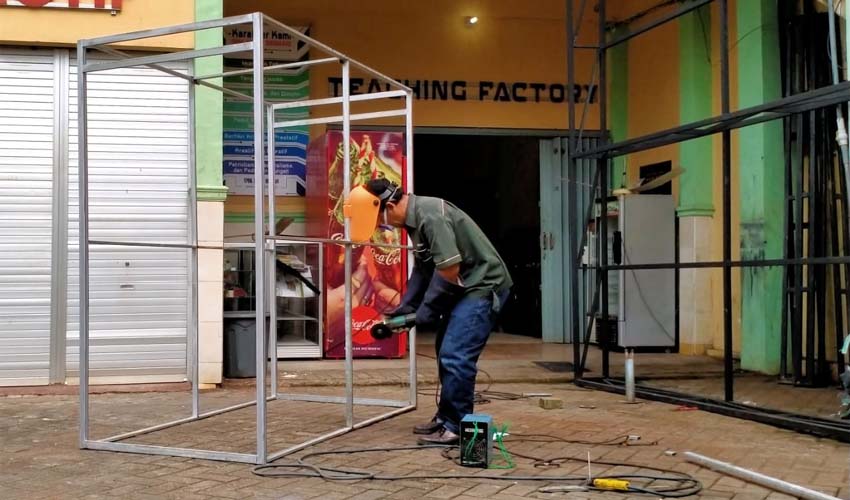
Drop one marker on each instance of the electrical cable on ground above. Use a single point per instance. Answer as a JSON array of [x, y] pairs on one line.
[[667, 484]]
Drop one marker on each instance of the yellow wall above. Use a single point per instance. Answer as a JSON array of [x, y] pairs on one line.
[[515, 40], [653, 93], [52, 26]]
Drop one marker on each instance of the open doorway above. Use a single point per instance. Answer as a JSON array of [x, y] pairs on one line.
[[494, 179]]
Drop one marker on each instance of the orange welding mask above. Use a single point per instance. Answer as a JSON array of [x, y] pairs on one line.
[[362, 207]]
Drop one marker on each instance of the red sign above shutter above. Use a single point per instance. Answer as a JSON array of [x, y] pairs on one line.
[[65, 4]]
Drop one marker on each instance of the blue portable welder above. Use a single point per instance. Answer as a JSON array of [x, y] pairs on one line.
[[476, 440]]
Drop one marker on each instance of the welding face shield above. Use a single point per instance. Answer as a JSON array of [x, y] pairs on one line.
[[363, 208]]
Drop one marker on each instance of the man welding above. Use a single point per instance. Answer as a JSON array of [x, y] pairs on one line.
[[458, 286]]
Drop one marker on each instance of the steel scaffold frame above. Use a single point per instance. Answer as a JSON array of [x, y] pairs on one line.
[[266, 246], [723, 124]]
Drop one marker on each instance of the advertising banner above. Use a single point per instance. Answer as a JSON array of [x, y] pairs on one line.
[[379, 275], [279, 86]]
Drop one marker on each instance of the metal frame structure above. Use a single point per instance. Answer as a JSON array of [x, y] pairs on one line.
[[265, 246], [722, 124]]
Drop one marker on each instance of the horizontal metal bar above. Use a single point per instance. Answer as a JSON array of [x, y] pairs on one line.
[[148, 430], [115, 52], [800, 423], [167, 30], [328, 50], [719, 264], [170, 56], [581, 46], [822, 97], [337, 100], [337, 119], [154, 245], [288, 238], [314, 398], [298, 64], [306, 103], [173, 423], [385, 416], [234, 93], [307, 444], [685, 9], [147, 449]]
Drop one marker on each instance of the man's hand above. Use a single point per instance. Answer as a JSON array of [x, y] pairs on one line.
[[440, 299]]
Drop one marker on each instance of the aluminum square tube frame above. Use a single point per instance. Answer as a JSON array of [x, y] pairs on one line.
[[722, 124], [265, 245]]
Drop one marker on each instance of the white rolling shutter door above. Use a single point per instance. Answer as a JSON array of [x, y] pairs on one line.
[[26, 171], [138, 191]]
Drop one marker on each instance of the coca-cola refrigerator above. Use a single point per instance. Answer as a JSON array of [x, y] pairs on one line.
[[379, 274]]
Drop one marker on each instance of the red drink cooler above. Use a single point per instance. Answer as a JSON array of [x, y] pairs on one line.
[[379, 275]]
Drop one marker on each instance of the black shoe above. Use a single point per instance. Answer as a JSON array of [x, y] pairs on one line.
[[429, 428], [442, 436]]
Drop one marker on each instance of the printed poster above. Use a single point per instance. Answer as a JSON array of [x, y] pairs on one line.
[[279, 86]]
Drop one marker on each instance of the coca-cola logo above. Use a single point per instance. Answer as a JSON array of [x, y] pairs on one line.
[[388, 259], [362, 325]]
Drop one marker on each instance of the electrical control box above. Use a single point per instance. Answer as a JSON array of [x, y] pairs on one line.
[[647, 312], [476, 440]]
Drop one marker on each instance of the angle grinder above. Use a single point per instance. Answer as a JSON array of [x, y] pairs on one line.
[[388, 327]]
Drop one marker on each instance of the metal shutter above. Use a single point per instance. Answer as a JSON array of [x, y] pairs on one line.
[[26, 171], [138, 191]]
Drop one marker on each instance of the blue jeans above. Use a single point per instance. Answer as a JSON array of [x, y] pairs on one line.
[[459, 346]]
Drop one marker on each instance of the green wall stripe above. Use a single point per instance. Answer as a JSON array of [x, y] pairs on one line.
[[208, 107], [618, 70], [695, 99]]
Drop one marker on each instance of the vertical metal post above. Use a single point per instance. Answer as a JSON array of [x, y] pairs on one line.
[[602, 165], [83, 178], [59, 250], [797, 328], [320, 324], [630, 375], [192, 320], [346, 189], [272, 254], [812, 233], [259, 240], [728, 367], [411, 336], [572, 207], [787, 271]]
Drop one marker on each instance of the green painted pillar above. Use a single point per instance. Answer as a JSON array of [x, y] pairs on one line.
[[208, 107], [696, 206], [695, 99], [618, 107], [760, 180]]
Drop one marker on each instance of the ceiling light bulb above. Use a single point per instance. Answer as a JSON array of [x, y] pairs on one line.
[[471, 20]]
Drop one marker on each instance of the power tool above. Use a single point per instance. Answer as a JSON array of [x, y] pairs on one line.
[[388, 327]]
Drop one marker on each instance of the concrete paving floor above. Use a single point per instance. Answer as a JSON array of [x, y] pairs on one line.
[[40, 459]]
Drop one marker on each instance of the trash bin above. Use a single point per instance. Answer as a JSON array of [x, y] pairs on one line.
[[240, 343]]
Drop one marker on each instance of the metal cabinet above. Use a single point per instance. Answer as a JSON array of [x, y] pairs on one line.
[[296, 321]]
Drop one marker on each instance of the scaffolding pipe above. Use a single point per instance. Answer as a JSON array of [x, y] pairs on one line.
[[841, 131], [756, 478], [630, 376]]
